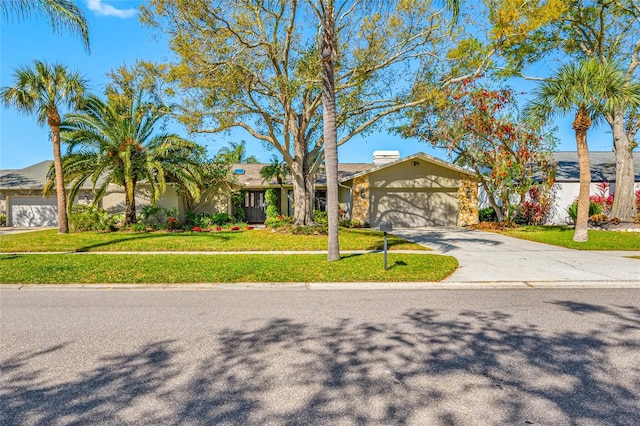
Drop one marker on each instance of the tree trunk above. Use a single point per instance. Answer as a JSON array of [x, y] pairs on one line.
[[580, 125], [61, 193], [624, 201], [130, 206], [330, 136], [302, 195]]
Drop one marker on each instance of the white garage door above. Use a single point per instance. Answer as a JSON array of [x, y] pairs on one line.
[[408, 209], [33, 211]]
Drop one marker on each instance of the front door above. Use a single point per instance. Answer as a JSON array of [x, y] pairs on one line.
[[254, 207]]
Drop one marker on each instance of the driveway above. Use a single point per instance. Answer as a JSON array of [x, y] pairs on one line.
[[8, 230], [486, 256]]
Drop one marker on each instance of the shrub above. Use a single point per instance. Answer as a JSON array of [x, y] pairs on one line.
[[278, 222], [487, 214], [350, 223], [238, 205], [598, 219], [83, 218], [271, 198], [172, 223], [572, 210], [535, 210], [321, 218], [3, 219], [156, 217]]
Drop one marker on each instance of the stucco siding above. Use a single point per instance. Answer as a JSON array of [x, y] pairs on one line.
[[408, 176]]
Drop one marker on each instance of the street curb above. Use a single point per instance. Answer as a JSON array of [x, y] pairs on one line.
[[338, 286]]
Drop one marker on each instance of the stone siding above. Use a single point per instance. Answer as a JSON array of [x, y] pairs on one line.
[[468, 200], [360, 204]]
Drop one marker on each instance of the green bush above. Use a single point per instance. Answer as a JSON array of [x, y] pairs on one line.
[[278, 222], [271, 197], [3, 219], [321, 218], [238, 205], [350, 223], [572, 210], [487, 215], [83, 218], [156, 217]]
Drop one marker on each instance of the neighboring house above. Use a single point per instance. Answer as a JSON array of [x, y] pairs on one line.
[[22, 201], [418, 190], [567, 186]]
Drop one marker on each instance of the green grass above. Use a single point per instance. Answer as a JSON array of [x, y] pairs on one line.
[[248, 240], [226, 268], [563, 236]]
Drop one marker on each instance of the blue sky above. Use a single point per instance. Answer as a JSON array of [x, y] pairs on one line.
[[118, 38]]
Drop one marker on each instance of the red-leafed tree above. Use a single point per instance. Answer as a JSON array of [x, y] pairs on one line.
[[480, 128]]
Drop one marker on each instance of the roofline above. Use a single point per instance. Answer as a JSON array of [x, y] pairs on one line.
[[421, 155]]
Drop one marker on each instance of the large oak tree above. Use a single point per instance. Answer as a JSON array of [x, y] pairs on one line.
[[257, 65]]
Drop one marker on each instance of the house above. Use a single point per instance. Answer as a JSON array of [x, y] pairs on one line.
[[21, 198], [418, 190], [567, 186]]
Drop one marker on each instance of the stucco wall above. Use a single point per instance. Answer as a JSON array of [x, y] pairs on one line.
[[114, 201], [421, 175]]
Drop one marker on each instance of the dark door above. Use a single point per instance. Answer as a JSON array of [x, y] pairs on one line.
[[254, 207]]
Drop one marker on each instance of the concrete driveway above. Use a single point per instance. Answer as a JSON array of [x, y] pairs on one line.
[[8, 230], [490, 257]]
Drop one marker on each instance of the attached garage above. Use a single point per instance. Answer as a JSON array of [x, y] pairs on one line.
[[416, 208], [414, 191], [32, 211]]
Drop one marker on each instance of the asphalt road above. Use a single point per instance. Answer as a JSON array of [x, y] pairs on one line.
[[288, 357]]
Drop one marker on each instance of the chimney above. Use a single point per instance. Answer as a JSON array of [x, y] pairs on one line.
[[383, 157]]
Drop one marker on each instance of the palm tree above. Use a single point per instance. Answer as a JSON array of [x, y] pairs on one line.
[[326, 12], [60, 13], [114, 142], [41, 91], [235, 153], [276, 169], [588, 89]]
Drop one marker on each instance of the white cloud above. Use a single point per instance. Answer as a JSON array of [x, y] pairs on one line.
[[107, 10]]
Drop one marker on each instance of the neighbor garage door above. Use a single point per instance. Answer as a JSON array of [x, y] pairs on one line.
[[33, 211], [415, 208]]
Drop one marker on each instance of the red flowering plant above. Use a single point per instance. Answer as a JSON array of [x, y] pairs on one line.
[[250, 227], [603, 198], [482, 129], [218, 228], [172, 223], [235, 228], [196, 229]]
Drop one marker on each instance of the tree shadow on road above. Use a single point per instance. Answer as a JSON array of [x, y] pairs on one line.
[[425, 367]]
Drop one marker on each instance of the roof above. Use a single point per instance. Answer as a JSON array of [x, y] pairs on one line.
[[251, 176], [419, 155], [603, 166], [32, 177]]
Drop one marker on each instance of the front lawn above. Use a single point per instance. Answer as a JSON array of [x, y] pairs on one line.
[[220, 268], [225, 241], [563, 236]]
